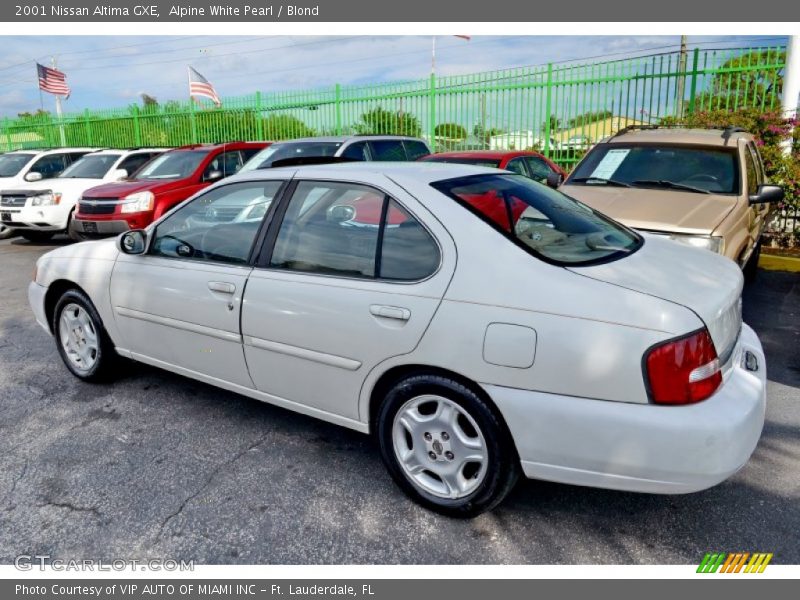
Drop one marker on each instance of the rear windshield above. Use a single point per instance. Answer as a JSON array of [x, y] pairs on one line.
[[282, 151], [671, 167], [466, 160], [544, 222], [90, 167], [11, 164], [173, 165]]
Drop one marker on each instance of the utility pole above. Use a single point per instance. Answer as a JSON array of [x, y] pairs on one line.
[[682, 76], [791, 85], [59, 111]]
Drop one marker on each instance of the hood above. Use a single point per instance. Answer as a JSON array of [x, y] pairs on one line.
[[708, 284], [125, 188], [654, 209], [57, 184], [96, 249]]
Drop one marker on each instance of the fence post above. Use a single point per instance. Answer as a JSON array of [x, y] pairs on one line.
[[192, 121], [693, 84], [88, 124], [8, 133], [337, 103], [432, 115], [548, 106], [137, 127], [259, 122]]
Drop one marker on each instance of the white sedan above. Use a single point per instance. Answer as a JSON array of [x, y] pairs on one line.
[[479, 324]]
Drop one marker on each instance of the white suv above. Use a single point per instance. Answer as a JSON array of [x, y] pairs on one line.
[[41, 209], [19, 166]]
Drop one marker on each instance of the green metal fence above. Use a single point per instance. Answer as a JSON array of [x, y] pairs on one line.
[[556, 108]]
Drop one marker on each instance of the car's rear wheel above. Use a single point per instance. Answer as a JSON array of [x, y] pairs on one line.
[[81, 339], [445, 446], [37, 236]]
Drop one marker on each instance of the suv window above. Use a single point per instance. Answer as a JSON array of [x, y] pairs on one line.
[[134, 162], [50, 165], [752, 171], [91, 166], [218, 226], [415, 149], [173, 165], [387, 150], [663, 166], [352, 230], [539, 169], [356, 151], [516, 165], [227, 163], [11, 164], [542, 221]]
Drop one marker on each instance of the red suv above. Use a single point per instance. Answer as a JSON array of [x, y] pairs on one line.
[[524, 162], [158, 186]]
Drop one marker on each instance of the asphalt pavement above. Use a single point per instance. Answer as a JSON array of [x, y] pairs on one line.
[[159, 466]]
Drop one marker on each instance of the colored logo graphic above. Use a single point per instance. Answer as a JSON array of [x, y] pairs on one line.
[[738, 562]]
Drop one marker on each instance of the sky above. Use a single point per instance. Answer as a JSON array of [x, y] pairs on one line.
[[113, 71]]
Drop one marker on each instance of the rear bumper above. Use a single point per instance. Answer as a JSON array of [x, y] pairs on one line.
[[100, 227], [641, 447]]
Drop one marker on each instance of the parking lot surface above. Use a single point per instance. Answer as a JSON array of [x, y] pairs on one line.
[[157, 465]]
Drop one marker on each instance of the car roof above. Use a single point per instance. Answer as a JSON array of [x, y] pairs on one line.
[[346, 138], [425, 172], [209, 147], [50, 150], [676, 135], [488, 154]]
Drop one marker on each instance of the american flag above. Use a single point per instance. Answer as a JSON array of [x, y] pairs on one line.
[[52, 81], [200, 86]]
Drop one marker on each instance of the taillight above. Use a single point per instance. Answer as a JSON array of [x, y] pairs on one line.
[[683, 370]]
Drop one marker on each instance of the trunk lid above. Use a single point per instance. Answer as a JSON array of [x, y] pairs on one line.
[[708, 284]]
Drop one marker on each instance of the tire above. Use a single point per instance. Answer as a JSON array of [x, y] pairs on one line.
[[750, 269], [6, 232], [451, 424], [37, 236], [93, 358], [74, 234]]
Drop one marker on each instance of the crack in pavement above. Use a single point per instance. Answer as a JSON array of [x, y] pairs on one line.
[[73, 507], [214, 472]]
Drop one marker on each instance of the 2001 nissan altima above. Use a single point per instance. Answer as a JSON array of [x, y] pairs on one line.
[[479, 323]]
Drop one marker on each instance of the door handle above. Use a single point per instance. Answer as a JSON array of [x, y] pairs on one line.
[[390, 312], [221, 287]]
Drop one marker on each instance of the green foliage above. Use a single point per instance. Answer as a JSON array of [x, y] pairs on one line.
[[590, 117], [451, 131], [555, 124], [771, 131], [284, 127], [484, 136], [379, 121], [747, 80]]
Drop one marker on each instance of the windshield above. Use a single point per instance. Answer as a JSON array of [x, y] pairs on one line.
[[173, 165], [281, 151], [11, 164], [467, 160], [90, 167], [671, 167], [541, 220]]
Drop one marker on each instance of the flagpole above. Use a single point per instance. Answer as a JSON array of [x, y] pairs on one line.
[[59, 111], [433, 55]]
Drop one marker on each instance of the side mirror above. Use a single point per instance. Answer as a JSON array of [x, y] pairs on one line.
[[132, 242], [554, 180], [767, 193], [213, 176], [33, 176], [119, 174]]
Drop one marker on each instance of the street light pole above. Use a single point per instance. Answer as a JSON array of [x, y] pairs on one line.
[[791, 84]]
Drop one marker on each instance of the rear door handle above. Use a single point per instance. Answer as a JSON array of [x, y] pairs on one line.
[[390, 312], [222, 287]]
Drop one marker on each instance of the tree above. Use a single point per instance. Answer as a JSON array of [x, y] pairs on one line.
[[379, 121], [452, 131], [555, 124], [590, 117], [485, 135], [747, 80], [285, 127]]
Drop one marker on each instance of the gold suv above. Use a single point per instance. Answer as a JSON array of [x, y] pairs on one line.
[[701, 187]]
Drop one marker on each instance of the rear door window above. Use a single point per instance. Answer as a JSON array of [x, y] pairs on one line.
[[539, 169], [357, 151], [50, 165], [387, 150], [516, 165], [415, 149]]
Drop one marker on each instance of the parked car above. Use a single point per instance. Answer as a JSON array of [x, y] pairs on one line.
[[576, 142], [20, 166], [346, 147], [473, 345], [702, 187], [530, 164], [161, 184], [44, 208]]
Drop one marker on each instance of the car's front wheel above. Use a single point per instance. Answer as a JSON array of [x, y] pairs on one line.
[[37, 236], [445, 446], [81, 339], [5, 232]]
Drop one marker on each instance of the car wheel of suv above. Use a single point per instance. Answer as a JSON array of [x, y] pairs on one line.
[[74, 234], [751, 268], [445, 446], [37, 236], [81, 339], [5, 232]]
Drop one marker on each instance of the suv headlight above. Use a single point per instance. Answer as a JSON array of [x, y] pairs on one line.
[[46, 199], [138, 202], [709, 242]]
